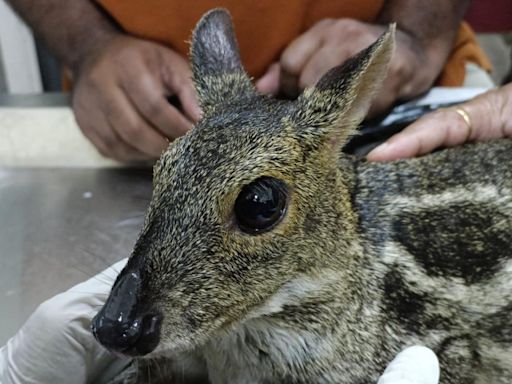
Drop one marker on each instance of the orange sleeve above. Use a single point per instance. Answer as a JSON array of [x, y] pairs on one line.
[[263, 28], [466, 49]]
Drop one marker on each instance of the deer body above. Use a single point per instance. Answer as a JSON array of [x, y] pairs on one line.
[[269, 256], [437, 246]]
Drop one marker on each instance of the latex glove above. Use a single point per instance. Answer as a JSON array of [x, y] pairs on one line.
[[56, 345], [414, 365]]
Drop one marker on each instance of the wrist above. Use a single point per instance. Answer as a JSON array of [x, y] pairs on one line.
[[90, 49], [424, 61]]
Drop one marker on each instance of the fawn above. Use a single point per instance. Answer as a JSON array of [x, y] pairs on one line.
[[269, 256]]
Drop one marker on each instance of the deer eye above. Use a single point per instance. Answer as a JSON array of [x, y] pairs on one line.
[[261, 205]]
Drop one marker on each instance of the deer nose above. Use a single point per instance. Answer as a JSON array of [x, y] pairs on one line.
[[119, 327]]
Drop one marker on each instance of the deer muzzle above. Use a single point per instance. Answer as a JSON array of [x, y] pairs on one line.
[[121, 326]]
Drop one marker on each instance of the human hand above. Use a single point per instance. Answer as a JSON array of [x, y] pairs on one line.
[[121, 95], [331, 42], [414, 365], [488, 116], [56, 344]]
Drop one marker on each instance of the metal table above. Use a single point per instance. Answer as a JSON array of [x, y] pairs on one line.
[[59, 227]]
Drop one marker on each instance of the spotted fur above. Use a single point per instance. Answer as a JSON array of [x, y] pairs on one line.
[[369, 259]]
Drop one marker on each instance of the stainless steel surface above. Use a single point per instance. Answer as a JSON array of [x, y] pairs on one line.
[[49, 99], [61, 226]]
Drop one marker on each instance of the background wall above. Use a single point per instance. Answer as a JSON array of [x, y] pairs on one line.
[[3, 85], [20, 67]]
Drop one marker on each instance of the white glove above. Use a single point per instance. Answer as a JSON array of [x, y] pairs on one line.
[[56, 345], [414, 365]]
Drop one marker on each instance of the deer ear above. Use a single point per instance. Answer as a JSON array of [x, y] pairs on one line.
[[342, 97], [218, 72]]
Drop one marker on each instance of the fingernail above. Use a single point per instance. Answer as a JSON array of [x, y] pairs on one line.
[[198, 112], [379, 149]]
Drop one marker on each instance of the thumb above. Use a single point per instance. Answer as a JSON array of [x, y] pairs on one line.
[[268, 84], [414, 365], [178, 80], [189, 102]]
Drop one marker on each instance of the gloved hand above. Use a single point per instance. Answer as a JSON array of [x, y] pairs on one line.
[[56, 345], [414, 365]]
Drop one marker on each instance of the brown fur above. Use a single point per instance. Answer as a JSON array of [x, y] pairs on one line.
[[369, 258]]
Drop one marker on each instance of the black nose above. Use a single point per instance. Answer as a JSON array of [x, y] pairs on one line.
[[119, 326]]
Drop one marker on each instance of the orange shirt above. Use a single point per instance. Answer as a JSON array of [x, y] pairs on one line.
[[265, 27]]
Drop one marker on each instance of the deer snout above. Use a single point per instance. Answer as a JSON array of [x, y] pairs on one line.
[[120, 325]]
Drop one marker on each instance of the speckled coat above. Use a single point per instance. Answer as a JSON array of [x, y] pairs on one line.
[[369, 258]]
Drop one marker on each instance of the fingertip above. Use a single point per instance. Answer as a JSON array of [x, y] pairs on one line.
[[263, 85], [268, 84], [191, 106], [196, 113], [383, 153], [185, 126]]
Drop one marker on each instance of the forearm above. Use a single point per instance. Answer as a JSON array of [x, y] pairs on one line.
[[72, 30], [431, 28], [432, 23]]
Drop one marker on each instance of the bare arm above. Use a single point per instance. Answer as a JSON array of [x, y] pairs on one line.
[[121, 83], [428, 29], [73, 30], [424, 39]]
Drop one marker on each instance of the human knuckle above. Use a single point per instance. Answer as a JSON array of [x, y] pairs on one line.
[[324, 23], [110, 141], [152, 106], [133, 132], [289, 63], [103, 151], [347, 25]]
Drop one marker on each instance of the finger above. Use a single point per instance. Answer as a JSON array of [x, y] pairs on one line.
[[97, 129], [299, 52], [323, 60], [295, 57], [441, 128], [132, 128], [490, 114], [268, 84], [386, 97], [288, 84], [414, 365], [190, 103], [87, 126], [149, 98], [110, 145], [177, 77]]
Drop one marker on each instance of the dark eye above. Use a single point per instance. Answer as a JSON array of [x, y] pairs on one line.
[[261, 205]]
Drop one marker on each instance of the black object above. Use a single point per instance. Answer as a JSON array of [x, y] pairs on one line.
[[375, 131]]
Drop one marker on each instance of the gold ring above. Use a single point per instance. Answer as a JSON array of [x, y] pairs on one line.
[[465, 115]]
